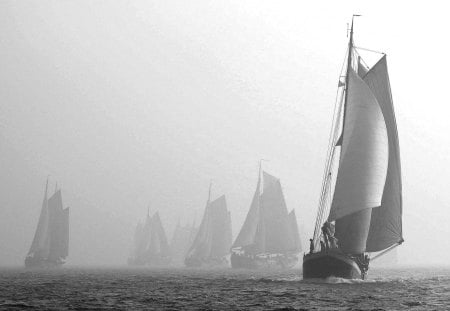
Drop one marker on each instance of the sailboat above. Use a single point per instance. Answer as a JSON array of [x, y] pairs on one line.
[[182, 239], [269, 237], [150, 243], [212, 242], [50, 245], [362, 217]]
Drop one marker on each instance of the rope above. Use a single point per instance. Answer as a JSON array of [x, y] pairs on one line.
[[330, 156], [369, 50], [386, 251]]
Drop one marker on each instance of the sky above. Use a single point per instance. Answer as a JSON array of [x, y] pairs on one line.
[[130, 105]]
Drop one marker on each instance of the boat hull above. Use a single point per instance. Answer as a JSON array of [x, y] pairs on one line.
[[285, 261], [323, 265]]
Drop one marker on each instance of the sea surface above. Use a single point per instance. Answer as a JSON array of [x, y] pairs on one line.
[[184, 289]]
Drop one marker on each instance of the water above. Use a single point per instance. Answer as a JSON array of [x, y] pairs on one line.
[[173, 289]]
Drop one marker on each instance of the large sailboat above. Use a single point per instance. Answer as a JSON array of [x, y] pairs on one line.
[[50, 245], [150, 244], [362, 217], [269, 237], [212, 242], [182, 239]]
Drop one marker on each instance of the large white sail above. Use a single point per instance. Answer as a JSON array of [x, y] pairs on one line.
[[294, 233], [386, 220], [213, 239], [246, 236], [220, 227], [200, 248], [274, 217], [364, 156], [40, 245], [158, 239]]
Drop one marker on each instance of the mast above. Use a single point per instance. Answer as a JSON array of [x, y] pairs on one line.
[[209, 192], [349, 66]]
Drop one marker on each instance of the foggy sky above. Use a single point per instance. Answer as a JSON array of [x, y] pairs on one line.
[[129, 104]]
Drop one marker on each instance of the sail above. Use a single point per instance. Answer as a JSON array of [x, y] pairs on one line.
[[293, 226], [158, 239], [364, 155], [40, 245], [65, 233], [386, 220], [362, 69], [220, 227], [201, 246], [57, 228], [213, 238], [246, 236], [274, 216]]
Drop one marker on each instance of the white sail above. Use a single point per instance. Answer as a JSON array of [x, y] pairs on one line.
[[40, 245], [294, 233], [386, 220], [213, 239], [246, 236], [274, 217], [57, 227], [158, 240], [200, 248], [364, 156], [220, 228], [65, 233]]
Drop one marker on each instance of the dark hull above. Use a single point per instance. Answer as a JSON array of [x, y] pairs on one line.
[[31, 263], [241, 261], [330, 264]]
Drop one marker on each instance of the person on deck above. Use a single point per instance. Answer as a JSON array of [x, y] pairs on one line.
[[311, 246]]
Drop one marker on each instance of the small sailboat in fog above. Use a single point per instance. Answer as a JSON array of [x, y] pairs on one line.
[[211, 246], [150, 243], [182, 239], [363, 215], [269, 237], [50, 245]]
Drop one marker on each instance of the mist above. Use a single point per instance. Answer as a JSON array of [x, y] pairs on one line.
[[135, 105]]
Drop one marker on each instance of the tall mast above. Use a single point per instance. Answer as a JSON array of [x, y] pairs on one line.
[[209, 191], [349, 66], [46, 188]]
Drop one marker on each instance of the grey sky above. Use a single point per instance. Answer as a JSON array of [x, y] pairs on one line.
[[130, 103]]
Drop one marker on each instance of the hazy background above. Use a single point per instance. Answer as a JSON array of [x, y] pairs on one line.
[[134, 103]]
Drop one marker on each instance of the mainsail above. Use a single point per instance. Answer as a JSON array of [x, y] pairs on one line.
[[150, 241], [294, 233], [366, 205], [267, 227], [213, 240], [51, 240]]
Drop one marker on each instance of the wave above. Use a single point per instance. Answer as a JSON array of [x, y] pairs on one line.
[[337, 280]]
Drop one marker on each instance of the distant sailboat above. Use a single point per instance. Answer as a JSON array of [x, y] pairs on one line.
[[50, 245], [182, 239], [212, 242], [364, 213], [150, 244], [269, 237]]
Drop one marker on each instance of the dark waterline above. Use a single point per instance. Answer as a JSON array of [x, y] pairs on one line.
[[173, 289]]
